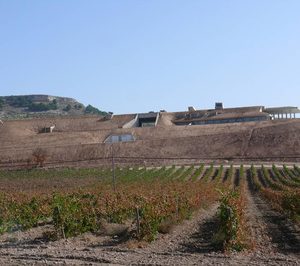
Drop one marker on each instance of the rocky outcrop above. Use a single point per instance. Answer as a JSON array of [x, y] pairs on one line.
[[24, 106]]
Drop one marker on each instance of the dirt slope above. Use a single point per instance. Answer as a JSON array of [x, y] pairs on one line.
[[83, 139]]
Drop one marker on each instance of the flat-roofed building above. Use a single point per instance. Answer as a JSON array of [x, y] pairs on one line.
[[221, 115]]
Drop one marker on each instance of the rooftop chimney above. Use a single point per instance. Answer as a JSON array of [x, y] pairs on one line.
[[191, 109], [219, 106]]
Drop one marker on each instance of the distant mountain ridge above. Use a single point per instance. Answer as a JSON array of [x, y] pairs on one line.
[[39, 105]]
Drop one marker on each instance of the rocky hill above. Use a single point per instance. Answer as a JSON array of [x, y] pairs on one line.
[[24, 106]]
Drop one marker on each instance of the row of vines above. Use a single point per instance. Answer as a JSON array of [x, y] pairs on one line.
[[149, 201], [281, 187], [146, 201]]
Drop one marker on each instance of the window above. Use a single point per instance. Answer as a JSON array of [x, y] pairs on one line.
[[120, 138]]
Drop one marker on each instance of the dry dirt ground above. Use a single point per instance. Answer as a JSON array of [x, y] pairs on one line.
[[80, 142], [276, 241]]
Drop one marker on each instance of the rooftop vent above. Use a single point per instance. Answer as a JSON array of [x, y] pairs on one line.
[[219, 106], [47, 129], [191, 109], [108, 116]]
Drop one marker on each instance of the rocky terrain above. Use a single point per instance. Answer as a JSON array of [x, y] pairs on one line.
[[25, 106]]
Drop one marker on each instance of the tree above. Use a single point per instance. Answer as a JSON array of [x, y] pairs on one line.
[[41, 107], [67, 108], [78, 106], [1, 103], [93, 110], [39, 157]]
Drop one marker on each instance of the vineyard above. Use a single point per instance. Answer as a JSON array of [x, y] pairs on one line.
[[143, 206]]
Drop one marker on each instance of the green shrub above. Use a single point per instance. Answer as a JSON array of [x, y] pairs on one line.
[[208, 173], [22, 215], [254, 178], [41, 107], [219, 173], [1, 103], [291, 204], [150, 222], [198, 172], [74, 214], [29, 214], [93, 110], [67, 108], [231, 215], [283, 179], [19, 101]]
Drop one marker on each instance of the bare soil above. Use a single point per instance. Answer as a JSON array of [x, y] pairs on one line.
[[80, 142]]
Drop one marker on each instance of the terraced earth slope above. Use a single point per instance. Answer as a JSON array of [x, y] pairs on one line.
[[80, 141]]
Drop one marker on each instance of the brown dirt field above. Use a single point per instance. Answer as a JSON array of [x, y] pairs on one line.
[[81, 139]]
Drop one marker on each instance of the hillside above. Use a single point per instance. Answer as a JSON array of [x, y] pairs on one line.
[[81, 140], [24, 106]]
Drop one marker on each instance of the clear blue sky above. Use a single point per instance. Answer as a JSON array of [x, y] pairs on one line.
[[141, 55]]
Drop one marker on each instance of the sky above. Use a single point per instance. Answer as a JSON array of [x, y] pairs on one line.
[[129, 56]]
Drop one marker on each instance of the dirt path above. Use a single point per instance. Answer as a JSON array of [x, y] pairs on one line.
[[273, 233], [192, 235]]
